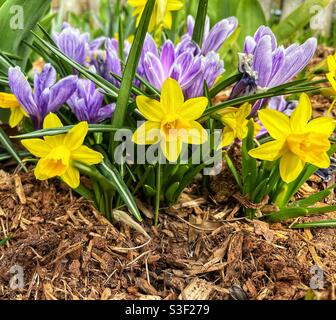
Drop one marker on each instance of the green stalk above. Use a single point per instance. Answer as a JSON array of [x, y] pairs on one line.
[[158, 192], [200, 22]]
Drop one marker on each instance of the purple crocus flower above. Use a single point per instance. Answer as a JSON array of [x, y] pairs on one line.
[[107, 61], [188, 67], [48, 95], [87, 103], [75, 45], [213, 39], [265, 65]]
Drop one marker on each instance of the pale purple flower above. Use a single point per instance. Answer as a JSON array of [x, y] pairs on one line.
[[75, 45], [48, 95], [265, 65], [189, 68], [108, 61], [213, 39], [87, 103]]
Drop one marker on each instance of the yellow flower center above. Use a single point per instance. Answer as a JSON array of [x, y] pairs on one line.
[[303, 144], [56, 162], [172, 126]]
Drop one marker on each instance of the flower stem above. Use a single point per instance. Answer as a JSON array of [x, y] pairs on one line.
[[158, 191]]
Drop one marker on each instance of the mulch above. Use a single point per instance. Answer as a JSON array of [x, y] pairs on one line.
[[199, 251]]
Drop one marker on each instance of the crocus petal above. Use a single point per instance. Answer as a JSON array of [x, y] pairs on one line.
[[37, 147], [265, 31], [171, 149], [269, 151], [151, 109], [263, 61], [22, 90], [43, 80], [219, 33], [105, 113], [323, 125], [71, 177], [148, 133], [275, 122], [290, 167], [249, 45], [191, 25], [76, 136], [16, 117], [167, 56], [193, 109], [296, 59], [61, 92], [301, 114], [87, 156], [154, 70], [172, 96]]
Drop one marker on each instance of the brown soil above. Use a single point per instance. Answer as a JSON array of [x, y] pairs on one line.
[[69, 251]]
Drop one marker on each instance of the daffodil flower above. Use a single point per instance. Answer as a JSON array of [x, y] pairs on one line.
[[8, 101], [161, 14], [331, 75], [296, 140], [236, 124], [171, 122], [57, 153]]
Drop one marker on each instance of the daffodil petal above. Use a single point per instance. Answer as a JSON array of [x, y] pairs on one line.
[[150, 108], [168, 20], [275, 122], [87, 156], [196, 134], [76, 136], [320, 160], [331, 61], [243, 112], [71, 177], [322, 125], [193, 109], [37, 147], [148, 133], [290, 167], [269, 151], [301, 114], [15, 117], [52, 121], [228, 137], [171, 96], [171, 149], [8, 100], [174, 5], [331, 76], [39, 172]]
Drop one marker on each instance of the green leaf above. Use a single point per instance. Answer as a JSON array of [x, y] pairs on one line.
[[224, 84], [17, 19], [292, 213], [315, 224], [317, 197], [7, 144], [113, 175], [298, 19], [62, 130], [4, 241], [250, 16], [171, 192], [200, 22], [130, 71]]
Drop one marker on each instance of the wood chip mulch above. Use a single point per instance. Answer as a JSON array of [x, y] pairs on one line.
[[67, 250]]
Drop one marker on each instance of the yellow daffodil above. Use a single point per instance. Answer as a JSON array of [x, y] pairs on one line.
[[8, 101], [161, 16], [57, 153], [236, 124], [171, 122], [297, 141], [331, 75]]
